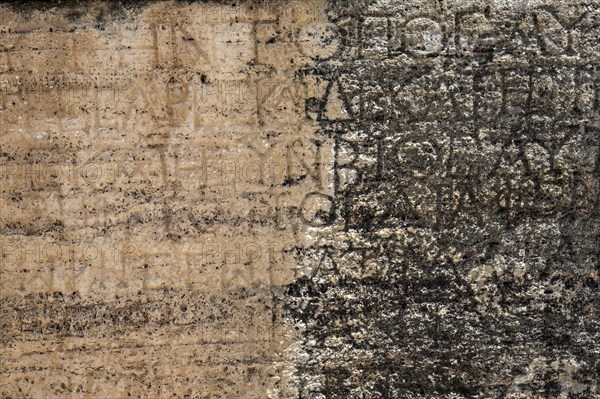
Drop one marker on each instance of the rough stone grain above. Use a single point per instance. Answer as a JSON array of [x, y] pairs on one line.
[[300, 199]]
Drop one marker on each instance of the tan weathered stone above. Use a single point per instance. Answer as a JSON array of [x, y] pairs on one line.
[[158, 175]]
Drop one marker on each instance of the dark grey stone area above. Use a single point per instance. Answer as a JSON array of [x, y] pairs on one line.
[[468, 264]]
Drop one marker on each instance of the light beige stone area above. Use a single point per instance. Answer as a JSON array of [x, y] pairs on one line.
[[159, 178]]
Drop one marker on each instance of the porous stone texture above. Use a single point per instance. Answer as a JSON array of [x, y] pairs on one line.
[[313, 200], [466, 255], [158, 174]]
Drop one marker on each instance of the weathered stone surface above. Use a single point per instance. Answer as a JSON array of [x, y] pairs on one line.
[[280, 199], [158, 175], [465, 263]]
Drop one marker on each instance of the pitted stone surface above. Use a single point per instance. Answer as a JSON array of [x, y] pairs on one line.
[[281, 199], [159, 175], [464, 259]]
